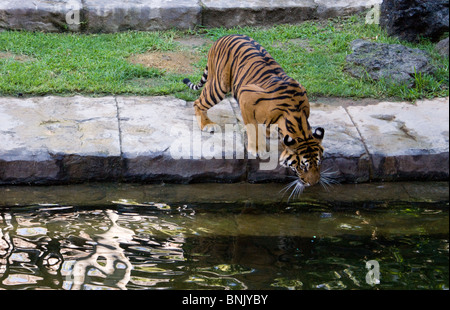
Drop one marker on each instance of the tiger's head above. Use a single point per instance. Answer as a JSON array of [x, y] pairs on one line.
[[303, 154]]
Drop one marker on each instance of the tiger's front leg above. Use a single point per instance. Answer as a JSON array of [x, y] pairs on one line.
[[209, 97], [256, 134], [203, 120], [252, 138], [257, 143]]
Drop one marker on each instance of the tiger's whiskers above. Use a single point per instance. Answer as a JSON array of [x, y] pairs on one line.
[[328, 178], [296, 192]]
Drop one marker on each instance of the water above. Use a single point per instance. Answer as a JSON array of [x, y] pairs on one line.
[[142, 245]]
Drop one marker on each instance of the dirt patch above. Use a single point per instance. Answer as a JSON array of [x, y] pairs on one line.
[[175, 62], [20, 58]]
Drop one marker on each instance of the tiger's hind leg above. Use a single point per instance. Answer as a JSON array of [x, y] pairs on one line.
[[208, 98]]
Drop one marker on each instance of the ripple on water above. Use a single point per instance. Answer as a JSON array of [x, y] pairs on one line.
[[136, 245]]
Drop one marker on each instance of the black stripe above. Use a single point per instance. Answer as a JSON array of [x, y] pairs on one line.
[[273, 121], [275, 109], [276, 98], [290, 126]]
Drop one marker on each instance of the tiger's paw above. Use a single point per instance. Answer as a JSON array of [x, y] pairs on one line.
[[211, 127], [252, 151], [259, 154], [273, 134]]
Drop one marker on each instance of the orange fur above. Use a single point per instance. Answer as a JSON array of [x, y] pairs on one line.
[[266, 95]]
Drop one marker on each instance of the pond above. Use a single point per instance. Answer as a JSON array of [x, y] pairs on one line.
[[134, 242]]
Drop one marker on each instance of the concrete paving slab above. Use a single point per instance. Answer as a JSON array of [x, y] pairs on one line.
[[161, 141], [58, 139], [58, 125], [402, 128], [404, 139], [73, 139], [345, 154]]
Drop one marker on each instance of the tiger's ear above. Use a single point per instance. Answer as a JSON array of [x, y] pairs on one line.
[[319, 133], [288, 141]]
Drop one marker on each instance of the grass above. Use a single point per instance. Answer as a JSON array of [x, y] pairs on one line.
[[74, 63], [312, 53]]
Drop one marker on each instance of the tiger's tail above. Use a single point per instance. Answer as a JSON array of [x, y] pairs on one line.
[[199, 84]]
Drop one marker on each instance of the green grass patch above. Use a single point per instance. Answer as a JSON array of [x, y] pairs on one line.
[[75, 63], [312, 53]]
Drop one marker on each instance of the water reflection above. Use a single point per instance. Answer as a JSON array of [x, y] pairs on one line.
[[154, 246], [107, 261], [29, 249]]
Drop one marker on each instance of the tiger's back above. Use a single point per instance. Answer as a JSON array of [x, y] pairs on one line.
[[246, 61], [237, 60]]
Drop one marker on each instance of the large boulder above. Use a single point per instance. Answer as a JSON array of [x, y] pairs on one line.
[[411, 19], [393, 62]]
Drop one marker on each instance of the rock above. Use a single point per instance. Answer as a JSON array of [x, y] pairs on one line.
[[58, 139], [393, 62], [145, 15], [344, 155], [161, 141], [329, 9], [48, 140], [98, 15], [442, 47], [411, 19], [220, 13], [405, 140], [40, 15], [142, 15], [231, 13]]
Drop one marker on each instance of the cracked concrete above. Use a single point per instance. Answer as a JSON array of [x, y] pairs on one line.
[[45, 140]]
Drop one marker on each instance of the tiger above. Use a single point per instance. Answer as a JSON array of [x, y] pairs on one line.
[[266, 95]]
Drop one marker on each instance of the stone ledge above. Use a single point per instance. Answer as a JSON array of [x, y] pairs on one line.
[[48, 140], [39, 15], [93, 16], [144, 15]]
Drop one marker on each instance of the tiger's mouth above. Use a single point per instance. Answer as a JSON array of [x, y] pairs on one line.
[[308, 178], [300, 179], [306, 170], [305, 182]]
